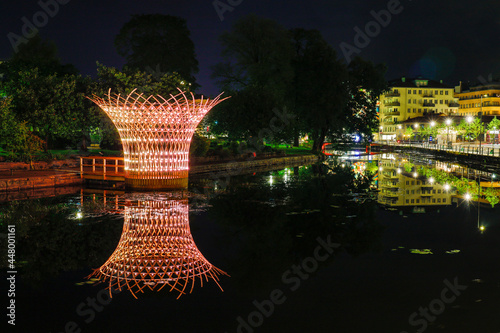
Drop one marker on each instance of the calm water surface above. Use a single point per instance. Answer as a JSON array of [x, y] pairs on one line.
[[308, 249]]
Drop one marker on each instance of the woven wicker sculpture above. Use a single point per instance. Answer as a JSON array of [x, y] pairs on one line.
[[157, 251], [156, 135]]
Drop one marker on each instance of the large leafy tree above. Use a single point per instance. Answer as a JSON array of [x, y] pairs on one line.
[[431, 130], [256, 71], [471, 129], [37, 53], [47, 96], [158, 43], [365, 83], [494, 124], [124, 82], [318, 90], [54, 107], [15, 136]]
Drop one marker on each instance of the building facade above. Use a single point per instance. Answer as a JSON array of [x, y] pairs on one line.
[[410, 98], [479, 100]]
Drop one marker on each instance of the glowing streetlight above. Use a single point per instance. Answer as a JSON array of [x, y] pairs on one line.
[[481, 122], [431, 180], [448, 123], [467, 196], [469, 119], [415, 174], [446, 187]]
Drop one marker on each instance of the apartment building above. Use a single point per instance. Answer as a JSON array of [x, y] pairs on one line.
[[483, 100], [410, 98]]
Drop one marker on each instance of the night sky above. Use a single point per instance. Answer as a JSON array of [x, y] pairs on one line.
[[442, 39]]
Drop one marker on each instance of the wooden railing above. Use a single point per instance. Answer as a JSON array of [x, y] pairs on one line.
[[100, 167]]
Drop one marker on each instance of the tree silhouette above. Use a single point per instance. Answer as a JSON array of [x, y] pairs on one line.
[[158, 42]]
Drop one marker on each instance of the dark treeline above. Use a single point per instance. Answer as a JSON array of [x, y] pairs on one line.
[[269, 71]]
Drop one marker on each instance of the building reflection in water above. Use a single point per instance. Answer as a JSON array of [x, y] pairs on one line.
[[397, 187], [156, 250]]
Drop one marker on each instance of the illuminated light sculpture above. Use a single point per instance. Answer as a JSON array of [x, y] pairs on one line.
[[156, 135], [156, 251]]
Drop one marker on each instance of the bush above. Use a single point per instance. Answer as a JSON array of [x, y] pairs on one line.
[[199, 146]]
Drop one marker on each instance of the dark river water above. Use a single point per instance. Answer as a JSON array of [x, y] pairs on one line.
[[305, 249]]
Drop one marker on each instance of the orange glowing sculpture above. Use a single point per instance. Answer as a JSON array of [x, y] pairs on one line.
[[156, 250], [156, 135]]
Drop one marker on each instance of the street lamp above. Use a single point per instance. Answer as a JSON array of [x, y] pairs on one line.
[[470, 119], [433, 123], [416, 130], [481, 122], [448, 123]]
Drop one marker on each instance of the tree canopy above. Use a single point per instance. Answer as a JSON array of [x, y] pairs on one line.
[[54, 107], [37, 53], [319, 85], [296, 70], [256, 72], [123, 82], [158, 42], [494, 124]]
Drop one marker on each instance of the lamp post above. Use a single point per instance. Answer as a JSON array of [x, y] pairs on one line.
[[469, 121], [479, 202], [433, 123], [481, 123], [448, 123], [380, 133], [416, 129]]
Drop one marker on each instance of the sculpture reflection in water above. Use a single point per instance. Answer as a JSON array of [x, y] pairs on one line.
[[156, 249]]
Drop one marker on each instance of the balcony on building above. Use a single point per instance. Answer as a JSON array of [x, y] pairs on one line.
[[393, 103], [453, 104], [392, 94], [392, 113], [429, 104]]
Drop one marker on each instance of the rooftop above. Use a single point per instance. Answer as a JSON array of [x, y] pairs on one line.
[[405, 82]]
